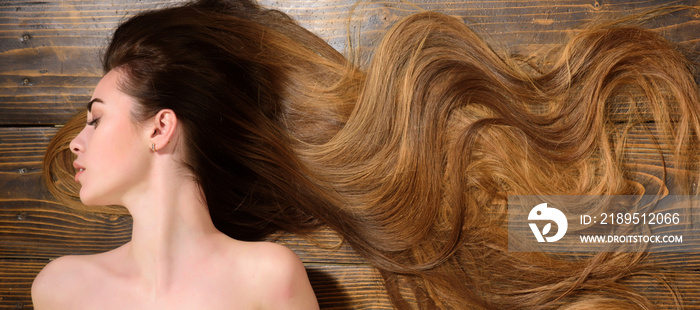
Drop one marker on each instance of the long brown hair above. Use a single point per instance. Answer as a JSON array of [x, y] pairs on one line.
[[411, 160]]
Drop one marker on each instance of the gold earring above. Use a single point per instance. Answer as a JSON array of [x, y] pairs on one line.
[[153, 147]]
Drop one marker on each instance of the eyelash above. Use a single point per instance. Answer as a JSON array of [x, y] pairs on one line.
[[93, 122]]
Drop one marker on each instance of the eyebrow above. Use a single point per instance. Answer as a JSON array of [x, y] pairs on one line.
[[89, 105]]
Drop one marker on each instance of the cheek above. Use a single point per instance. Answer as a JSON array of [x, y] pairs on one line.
[[117, 149], [126, 153], [129, 160], [119, 164]]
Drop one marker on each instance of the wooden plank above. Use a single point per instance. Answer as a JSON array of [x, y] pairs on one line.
[[685, 284], [16, 277], [45, 230], [21, 153], [690, 261], [49, 51], [92, 21], [41, 230], [348, 287], [336, 286], [522, 26]]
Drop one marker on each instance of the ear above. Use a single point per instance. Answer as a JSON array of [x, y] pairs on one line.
[[163, 129]]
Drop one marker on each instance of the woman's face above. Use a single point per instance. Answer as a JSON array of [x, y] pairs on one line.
[[113, 152]]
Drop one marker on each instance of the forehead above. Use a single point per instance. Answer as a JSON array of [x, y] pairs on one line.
[[108, 85], [107, 91]]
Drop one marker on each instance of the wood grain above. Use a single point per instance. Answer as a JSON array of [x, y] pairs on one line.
[[50, 51], [16, 282], [46, 230]]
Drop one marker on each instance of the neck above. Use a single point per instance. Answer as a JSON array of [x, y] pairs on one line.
[[172, 229]]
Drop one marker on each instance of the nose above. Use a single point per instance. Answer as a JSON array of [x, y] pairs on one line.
[[77, 145]]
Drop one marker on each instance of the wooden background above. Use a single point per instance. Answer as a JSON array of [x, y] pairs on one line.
[[49, 64]]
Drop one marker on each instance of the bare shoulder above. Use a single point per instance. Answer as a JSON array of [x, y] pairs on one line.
[[273, 254], [280, 277], [59, 282]]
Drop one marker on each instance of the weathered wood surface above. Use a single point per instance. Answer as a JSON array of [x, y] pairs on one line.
[[49, 64], [49, 51]]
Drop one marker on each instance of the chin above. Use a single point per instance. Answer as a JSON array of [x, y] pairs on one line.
[[90, 199], [87, 201]]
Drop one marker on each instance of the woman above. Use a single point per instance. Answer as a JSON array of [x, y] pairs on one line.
[[410, 161], [176, 258], [141, 149]]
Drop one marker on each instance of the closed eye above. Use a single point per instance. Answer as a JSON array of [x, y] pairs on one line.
[[94, 122]]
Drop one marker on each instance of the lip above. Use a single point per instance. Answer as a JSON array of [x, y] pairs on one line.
[[79, 170]]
